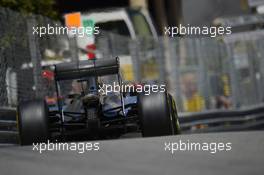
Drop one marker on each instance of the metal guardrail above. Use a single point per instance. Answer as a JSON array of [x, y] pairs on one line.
[[251, 118], [8, 126], [7, 113]]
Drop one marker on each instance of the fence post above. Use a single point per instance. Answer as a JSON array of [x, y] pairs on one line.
[[174, 71], [253, 70], [74, 48], [135, 56], [3, 85], [160, 53], [201, 68], [233, 76], [104, 46], [260, 45], [35, 57]]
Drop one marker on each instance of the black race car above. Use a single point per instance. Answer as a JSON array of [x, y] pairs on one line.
[[82, 110]]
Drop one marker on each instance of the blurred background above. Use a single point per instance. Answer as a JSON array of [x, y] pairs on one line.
[[204, 74]]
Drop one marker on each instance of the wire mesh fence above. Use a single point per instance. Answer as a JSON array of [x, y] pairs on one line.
[[23, 56], [14, 51], [201, 73]]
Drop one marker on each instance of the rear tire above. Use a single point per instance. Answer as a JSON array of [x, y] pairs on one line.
[[32, 121], [156, 115]]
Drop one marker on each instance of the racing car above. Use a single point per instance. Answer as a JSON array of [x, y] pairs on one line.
[[81, 109]]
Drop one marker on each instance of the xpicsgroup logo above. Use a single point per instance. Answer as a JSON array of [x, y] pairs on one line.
[[74, 26]]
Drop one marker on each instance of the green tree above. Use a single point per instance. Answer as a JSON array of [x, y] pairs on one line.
[[42, 7]]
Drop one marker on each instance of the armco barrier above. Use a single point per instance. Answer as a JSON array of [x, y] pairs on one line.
[[251, 118], [8, 128]]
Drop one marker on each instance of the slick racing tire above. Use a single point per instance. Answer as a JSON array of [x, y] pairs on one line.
[[157, 115], [32, 119]]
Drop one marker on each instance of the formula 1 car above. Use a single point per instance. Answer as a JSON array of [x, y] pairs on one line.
[[81, 109]]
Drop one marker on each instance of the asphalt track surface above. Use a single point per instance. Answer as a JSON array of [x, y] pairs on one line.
[[143, 156]]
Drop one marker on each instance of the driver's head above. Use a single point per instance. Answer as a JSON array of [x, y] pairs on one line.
[[77, 87]]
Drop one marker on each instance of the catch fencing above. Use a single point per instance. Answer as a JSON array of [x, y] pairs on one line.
[[201, 73], [23, 56]]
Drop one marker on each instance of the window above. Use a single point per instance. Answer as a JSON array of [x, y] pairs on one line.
[[117, 27], [140, 23]]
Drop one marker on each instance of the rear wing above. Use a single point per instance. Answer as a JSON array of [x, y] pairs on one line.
[[86, 68]]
